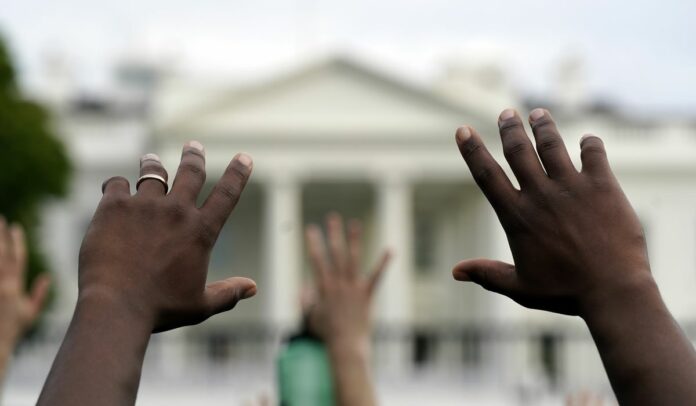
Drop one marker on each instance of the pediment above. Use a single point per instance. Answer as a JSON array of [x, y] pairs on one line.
[[334, 98]]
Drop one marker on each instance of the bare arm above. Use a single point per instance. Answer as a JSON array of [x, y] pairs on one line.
[[142, 269], [579, 249], [18, 310], [341, 315]]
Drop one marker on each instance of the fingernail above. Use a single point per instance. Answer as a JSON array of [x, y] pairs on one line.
[[461, 276], [245, 160], [463, 134], [584, 137], [150, 157], [536, 114], [507, 114], [196, 145], [16, 228], [249, 292]]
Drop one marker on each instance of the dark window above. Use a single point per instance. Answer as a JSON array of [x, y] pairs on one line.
[[223, 252], [471, 348], [424, 241], [424, 347], [549, 346], [218, 347]]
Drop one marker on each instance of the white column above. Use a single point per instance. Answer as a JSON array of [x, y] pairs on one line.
[[283, 252], [395, 231], [671, 235], [500, 308], [508, 360]]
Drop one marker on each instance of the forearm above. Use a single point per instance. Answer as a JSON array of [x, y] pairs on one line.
[[101, 358], [7, 345], [350, 365], [647, 357]]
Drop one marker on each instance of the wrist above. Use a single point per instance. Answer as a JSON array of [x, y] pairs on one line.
[[349, 346], [7, 346], [638, 293], [107, 305], [9, 336]]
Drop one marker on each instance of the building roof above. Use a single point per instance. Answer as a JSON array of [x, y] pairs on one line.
[[333, 96]]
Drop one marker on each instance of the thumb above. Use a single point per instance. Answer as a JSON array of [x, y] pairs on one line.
[[223, 295], [37, 297], [496, 276]]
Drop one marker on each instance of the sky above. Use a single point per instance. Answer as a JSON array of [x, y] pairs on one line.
[[639, 54]]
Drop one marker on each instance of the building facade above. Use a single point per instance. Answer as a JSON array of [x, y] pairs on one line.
[[336, 135]]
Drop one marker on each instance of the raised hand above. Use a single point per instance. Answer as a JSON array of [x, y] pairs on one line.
[[149, 252], [18, 309], [579, 249], [574, 236], [341, 312], [142, 269]]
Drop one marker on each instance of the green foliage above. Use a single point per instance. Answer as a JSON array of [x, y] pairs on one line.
[[34, 165], [7, 73]]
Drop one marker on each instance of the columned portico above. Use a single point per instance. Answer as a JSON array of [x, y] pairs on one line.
[[342, 138], [283, 228], [394, 218]]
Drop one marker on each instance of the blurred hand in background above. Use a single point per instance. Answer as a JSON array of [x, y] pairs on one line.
[[18, 309], [586, 398], [340, 313]]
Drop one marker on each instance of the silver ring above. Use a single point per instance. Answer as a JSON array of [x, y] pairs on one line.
[[155, 177]]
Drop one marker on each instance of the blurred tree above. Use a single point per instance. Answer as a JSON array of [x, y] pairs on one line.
[[33, 163]]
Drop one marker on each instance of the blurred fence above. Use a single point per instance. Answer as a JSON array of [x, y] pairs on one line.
[[517, 363], [502, 353]]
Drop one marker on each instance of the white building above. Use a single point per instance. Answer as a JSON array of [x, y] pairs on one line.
[[337, 135]]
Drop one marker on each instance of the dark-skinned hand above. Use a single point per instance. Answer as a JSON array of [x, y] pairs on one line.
[[142, 269], [150, 251], [579, 249], [573, 234]]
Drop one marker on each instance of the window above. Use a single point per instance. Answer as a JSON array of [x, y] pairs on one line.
[[223, 252], [424, 348], [471, 348], [424, 241], [549, 347], [218, 347]]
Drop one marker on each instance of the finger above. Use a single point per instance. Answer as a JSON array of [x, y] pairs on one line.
[[223, 295], [354, 247], [496, 276], [37, 296], [549, 145], [4, 242], [116, 186], [308, 298], [378, 271], [337, 242], [570, 400], [519, 151], [489, 176], [190, 176], [226, 193], [593, 156], [317, 254], [151, 165], [19, 247]]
